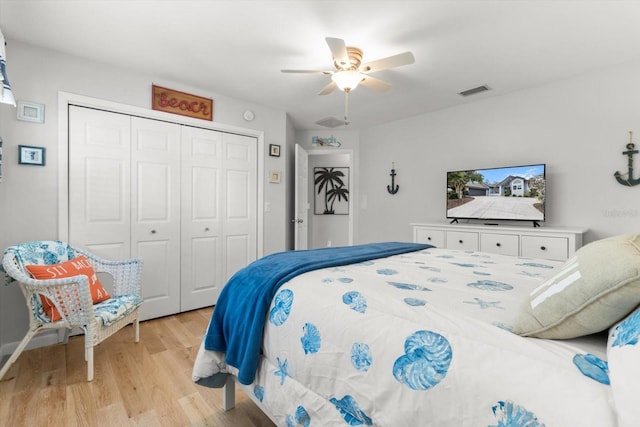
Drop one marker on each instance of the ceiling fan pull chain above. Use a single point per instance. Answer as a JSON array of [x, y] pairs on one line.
[[346, 108]]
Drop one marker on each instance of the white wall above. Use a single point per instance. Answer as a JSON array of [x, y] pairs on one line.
[[28, 194], [578, 127]]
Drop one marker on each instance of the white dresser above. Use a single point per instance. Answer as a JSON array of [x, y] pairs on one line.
[[556, 243]]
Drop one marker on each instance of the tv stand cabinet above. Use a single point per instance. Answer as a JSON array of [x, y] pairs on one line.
[[554, 243]]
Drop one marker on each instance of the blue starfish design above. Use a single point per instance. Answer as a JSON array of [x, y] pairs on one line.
[[282, 372], [485, 304]]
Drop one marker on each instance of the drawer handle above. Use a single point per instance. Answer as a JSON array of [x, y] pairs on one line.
[[153, 231], [429, 238], [543, 248], [460, 241], [498, 244]]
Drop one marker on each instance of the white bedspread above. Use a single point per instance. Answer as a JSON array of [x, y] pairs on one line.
[[422, 339]]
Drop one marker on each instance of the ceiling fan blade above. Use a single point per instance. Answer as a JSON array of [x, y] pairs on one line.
[[339, 52], [308, 71], [398, 60], [375, 84], [328, 88]]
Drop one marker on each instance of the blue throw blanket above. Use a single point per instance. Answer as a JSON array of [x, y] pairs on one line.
[[238, 318]]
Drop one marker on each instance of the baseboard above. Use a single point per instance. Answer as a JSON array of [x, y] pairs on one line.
[[41, 340]]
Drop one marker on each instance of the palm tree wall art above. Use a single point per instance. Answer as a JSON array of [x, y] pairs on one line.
[[332, 192]]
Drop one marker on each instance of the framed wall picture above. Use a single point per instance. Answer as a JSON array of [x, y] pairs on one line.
[[30, 112], [28, 155], [275, 177], [331, 190], [274, 150]]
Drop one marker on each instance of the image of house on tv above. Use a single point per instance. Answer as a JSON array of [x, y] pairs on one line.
[[516, 186]]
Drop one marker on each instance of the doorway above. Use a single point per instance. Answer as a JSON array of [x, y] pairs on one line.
[[324, 219]]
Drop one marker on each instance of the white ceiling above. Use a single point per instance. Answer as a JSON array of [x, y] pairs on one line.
[[237, 48]]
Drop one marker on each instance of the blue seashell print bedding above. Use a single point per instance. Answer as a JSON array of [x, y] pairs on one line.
[[422, 339]]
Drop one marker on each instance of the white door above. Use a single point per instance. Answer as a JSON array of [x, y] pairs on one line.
[[240, 202], [201, 262], [99, 182], [301, 198], [155, 213]]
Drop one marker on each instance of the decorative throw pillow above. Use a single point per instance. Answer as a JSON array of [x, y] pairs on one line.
[[73, 267], [596, 288]]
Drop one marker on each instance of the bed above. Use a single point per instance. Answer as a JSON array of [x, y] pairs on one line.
[[392, 334]]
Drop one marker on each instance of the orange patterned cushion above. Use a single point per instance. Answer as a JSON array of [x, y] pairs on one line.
[[74, 267]]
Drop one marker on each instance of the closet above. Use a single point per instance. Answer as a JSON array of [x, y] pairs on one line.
[[182, 198]]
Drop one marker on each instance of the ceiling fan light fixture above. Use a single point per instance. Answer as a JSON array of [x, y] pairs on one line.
[[347, 80]]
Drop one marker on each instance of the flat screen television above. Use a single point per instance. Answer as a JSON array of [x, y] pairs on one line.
[[503, 193]]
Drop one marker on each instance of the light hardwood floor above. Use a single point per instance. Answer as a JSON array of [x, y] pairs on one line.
[[136, 384]]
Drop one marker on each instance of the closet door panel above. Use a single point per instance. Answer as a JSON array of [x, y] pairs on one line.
[[201, 273], [99, 181], [238, 253], [157, 289], [155, 213], [240, 196]]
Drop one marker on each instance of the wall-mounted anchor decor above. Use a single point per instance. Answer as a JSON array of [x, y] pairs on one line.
[[393, 188], [629, 181]]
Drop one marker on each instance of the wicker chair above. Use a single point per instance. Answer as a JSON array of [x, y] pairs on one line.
[[71, 296]]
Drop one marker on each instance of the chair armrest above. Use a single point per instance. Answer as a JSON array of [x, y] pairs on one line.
[[71, 297], [126, 273]]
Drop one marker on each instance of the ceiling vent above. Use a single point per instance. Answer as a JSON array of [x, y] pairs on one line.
[[475, 90], [331, 122]]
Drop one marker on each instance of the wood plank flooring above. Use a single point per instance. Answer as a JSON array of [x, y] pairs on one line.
[[136, 384]]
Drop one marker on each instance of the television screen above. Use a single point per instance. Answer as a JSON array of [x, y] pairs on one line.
[[507, 193]]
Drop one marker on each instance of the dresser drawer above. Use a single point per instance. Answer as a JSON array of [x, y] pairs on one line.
[[462, 240], [432, 237], [504, 244], [556, 248]]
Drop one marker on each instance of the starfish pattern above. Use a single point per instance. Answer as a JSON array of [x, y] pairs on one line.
[[283, 368]]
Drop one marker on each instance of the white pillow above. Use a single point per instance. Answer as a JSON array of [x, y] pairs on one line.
[[623, 354], [593, 290]]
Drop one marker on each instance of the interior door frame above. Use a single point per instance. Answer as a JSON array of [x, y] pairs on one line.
[[301, 199], [65, 99]]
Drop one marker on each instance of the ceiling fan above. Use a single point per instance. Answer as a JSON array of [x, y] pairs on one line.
[[351, 72]]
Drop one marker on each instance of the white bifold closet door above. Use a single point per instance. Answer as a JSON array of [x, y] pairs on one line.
[[219, 211], [181, 198]]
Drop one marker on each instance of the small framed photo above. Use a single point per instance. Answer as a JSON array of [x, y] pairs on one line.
[[31, 155], [30, 112], [274, 150], [275, 176]]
